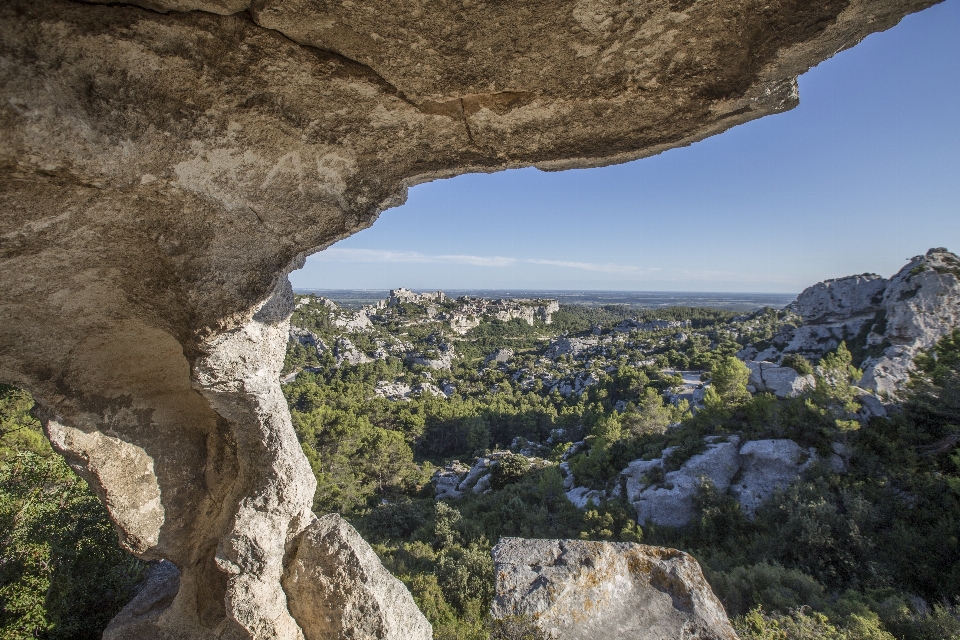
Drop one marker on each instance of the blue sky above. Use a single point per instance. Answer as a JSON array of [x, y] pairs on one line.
[[864, 174]]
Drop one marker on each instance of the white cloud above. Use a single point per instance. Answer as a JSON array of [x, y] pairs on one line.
[[338, 254]]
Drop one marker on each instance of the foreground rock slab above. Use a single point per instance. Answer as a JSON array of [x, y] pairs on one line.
[[579, 590]]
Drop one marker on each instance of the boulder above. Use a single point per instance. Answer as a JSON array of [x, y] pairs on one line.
[[339, 589], [781, 381], [671, 503], [480, 468], [768, 465], [579, 590], [159, 587]]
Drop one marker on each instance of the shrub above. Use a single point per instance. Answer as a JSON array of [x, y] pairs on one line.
[[770, 586], [798, 363], [466, 574], [508, 470]]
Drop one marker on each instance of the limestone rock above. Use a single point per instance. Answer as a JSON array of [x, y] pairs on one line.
[[581, 497], [358, 321], [578, 590], [870, 406], [447, 481], [671, 503], [392, 390], [781, 381], [751, 473], [345, 351], [841, 299], [165, 166], [440, 358], [499, 356], [768, 465], [897, 317], [921, 305], [339, 589], [573, 346], [157, 590]]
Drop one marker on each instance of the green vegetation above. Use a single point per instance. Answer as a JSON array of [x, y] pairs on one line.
[[868, 554], [871, 553], [61, 573]]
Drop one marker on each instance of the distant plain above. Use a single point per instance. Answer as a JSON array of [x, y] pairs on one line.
[[354, 298]]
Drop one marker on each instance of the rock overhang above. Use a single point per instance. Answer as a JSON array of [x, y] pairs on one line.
[[166, 165]]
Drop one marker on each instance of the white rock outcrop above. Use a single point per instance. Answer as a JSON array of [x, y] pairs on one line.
[[499, 356], [751, 472], [896, 318], [765, 466], [346, 352], [781, 381], [671, 501], [339, 589], [579, 590], [841, 299]]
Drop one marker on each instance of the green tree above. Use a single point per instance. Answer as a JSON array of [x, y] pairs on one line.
[[728, 381], [798, 363], [649, 416], [835, 390], [508, 469], [62, 574]]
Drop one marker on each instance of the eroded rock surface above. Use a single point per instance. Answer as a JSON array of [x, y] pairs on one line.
[[781, 381], [891, 320], [579, 590], [339, 589], [671, 502], [750, 472], [164, 166]]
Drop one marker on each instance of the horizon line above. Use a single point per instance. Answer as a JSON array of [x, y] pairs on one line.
[[549, 290]]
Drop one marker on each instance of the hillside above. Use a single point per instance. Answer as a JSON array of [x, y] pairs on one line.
[[807, 457], [793, 478]]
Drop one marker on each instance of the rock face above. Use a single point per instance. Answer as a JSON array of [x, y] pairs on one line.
[[578, 590], [841, 299], [891, 319], [751, 473], [781, 381], [339, 589], [672, 502], [765, 466], [165, 164]]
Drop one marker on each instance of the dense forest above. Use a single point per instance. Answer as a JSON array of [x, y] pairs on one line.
[[872, 553]]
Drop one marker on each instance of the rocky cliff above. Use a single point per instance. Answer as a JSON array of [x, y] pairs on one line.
[[886, 321], [165, 164]]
